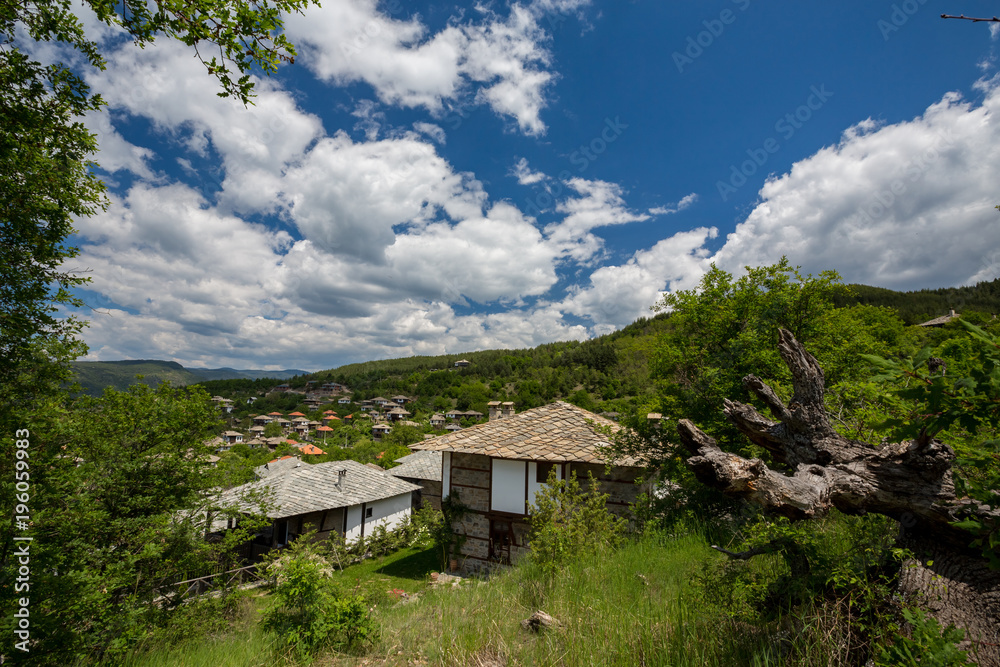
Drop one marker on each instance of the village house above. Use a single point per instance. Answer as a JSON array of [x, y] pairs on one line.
[[379, 431], [497, 467], [397, 414], [461, 363], [402, 400], [342, 497], [941, 321], [437, 421], [345, 400], [275, 442], [232, 437], [423, 469]]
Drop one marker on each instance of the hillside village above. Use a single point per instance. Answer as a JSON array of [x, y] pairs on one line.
[[425, 487], [351, 499]]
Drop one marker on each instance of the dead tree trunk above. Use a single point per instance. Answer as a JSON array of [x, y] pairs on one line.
[[908, 481]]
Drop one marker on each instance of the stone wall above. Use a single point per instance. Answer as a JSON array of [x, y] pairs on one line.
[[470, 477]]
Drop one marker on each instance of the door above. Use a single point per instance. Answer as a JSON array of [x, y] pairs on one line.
[[501, 539]]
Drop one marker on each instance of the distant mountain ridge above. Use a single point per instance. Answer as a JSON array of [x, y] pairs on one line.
[[95, 376]]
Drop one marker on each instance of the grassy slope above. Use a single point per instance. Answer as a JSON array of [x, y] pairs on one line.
[[636, 605]]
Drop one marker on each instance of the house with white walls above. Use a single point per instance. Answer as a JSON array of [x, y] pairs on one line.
[[498, 466], [343, 497]]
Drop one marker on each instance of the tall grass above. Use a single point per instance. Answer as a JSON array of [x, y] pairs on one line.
[[635, 605], [657, 600]]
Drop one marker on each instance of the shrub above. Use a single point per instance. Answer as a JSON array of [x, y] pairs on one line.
[[308, 612], [567, 519]]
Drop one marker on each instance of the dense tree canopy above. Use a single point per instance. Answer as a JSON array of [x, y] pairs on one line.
[[100, 482]]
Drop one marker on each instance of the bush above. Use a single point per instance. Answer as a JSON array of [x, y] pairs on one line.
[[568, 520], [308, 612]]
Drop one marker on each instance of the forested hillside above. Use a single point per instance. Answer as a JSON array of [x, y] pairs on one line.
[[606, 373], [973, 301], [95, 376]]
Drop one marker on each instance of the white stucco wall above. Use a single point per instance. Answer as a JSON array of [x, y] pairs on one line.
[[445, 474], [353, 523], [387, 512]]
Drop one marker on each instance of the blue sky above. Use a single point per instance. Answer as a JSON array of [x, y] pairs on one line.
[[436, 178]]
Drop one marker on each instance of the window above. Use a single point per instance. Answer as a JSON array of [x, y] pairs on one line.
[[509, 486], [542, 472], [368, 513]]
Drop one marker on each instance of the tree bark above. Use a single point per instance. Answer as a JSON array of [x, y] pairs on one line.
[[908, 481]]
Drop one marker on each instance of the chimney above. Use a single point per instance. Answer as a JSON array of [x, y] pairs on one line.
[[507, 409], [494, 407], [341, 476], [951, 313]]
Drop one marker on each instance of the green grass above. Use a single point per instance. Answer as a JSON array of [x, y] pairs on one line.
[[657, 600], [407, 569], [636, 605]]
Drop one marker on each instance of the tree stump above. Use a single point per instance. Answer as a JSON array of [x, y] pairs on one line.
[[907, 481]]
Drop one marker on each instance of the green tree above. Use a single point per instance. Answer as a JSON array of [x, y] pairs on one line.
[[117, 491], [727, 328], [46, 176], [307, 612], [106, 532]]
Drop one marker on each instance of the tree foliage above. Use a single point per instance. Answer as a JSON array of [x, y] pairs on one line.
[[118, 487], [958, 401]]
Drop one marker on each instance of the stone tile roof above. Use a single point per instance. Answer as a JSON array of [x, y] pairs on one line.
[[283, 464], [419, 465], [940, 321], [298, 488], [558, 432]]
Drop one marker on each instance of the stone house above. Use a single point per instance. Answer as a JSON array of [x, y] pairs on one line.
[[423, 469], [497, 468], [343, 497]]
